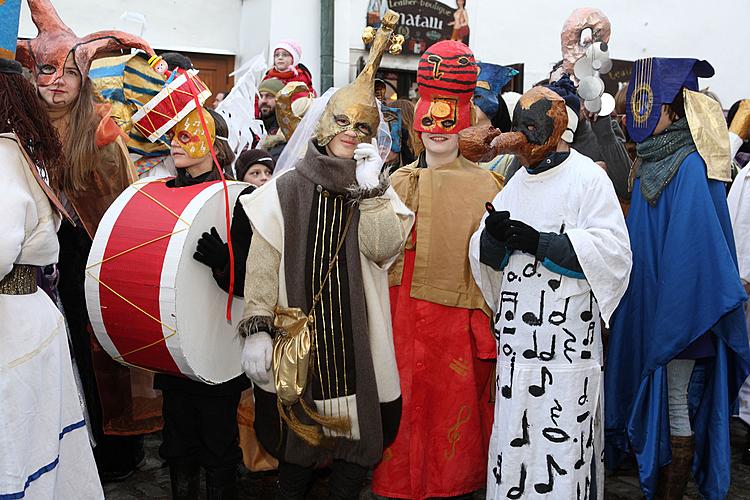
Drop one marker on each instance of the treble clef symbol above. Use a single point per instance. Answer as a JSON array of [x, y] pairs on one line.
[[464, 414]]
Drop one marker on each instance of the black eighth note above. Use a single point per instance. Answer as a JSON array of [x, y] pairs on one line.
[[543, 488], [524, 439], [539, 390]]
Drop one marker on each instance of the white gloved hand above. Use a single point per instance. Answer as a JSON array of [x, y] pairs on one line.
[[256, 357], [369, 164]]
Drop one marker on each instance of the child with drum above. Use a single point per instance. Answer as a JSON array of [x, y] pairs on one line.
[[200, 420]]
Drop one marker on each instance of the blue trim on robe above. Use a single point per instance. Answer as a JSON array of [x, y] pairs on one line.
[[558, 269], [506, 259], [42, 470], [684, 283]]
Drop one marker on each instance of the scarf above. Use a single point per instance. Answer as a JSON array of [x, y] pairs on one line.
[[661, 155]]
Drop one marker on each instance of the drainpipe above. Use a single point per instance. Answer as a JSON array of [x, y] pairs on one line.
[[326, 44]]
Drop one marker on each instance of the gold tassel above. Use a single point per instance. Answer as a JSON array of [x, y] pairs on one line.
[[310, 434], [339, 424]]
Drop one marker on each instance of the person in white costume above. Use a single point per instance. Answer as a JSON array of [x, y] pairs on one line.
[[45, 451], [739, 211], [551, 257]]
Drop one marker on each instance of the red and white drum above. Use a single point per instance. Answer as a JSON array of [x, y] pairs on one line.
[[150, 303], [170, 105]]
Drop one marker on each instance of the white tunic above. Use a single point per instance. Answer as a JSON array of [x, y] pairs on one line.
[[548, 411], [739, 212], [45, 450]]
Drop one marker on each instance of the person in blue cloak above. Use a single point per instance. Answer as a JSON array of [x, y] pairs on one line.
[[680, 328]]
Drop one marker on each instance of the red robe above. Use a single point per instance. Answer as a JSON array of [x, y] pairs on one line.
[[444, 360]]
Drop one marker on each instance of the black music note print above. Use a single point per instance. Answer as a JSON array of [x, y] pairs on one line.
[[532, 319], [589, 340], [539, 390], [524, 439], [517, 491], [590, 332], [543, 488], [555, 435], [507, 390], [588, 314], [540, 355], [512, 299], [553, 284], [530, 270], [590, 441], [555, 412], [580, 462], [566, 345], [557, 318], [497, 471], [512, 277], [583, 398]]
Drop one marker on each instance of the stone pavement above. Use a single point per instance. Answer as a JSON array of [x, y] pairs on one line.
[[151, 480]]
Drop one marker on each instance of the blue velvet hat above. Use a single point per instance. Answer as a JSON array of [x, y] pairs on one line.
[[491, 80], [656, 81], [10, 11]]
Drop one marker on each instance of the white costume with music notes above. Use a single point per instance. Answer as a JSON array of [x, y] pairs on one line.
[[548, 435]]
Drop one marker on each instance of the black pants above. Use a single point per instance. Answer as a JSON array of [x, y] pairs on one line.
[[345, 482], [201, 430], [113, 454]]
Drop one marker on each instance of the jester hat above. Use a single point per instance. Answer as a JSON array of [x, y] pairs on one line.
[[45, 55]]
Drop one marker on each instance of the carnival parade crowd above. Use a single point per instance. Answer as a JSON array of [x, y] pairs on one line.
[[473, 291]]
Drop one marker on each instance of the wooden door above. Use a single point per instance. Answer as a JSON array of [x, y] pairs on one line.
[[214, 71]]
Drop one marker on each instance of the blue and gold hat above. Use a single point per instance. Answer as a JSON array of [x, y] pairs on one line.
[[491, 80], [10, 11], [656, 81]]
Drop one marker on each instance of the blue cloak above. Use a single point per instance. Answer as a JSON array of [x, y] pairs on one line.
[[684, 283]]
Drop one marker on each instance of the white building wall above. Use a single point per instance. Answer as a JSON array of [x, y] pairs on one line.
[[181, 25], [529, 31]]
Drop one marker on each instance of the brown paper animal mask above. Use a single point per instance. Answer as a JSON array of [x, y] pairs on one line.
[[45, 55]]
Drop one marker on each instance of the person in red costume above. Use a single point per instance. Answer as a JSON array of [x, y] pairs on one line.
[[441, 328], [287, 66]]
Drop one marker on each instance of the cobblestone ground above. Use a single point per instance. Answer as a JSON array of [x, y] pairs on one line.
[[151, 480]]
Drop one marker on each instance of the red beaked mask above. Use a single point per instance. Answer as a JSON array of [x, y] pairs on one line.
[[447, 76]]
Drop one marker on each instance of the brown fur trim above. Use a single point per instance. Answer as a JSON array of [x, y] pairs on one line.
[[361, 193], [255, 324]]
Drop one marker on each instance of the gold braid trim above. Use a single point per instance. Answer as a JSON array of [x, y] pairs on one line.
[[312, 434]]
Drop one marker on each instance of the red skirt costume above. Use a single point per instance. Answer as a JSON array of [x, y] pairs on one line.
[[444, 360]]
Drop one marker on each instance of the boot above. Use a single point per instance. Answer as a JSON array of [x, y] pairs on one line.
[[221, 484], [673, 478], [186, 481]]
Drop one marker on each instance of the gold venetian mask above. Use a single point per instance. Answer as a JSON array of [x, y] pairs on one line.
[[190, 135], [354, 107]]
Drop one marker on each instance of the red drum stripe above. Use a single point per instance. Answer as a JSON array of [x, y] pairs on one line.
[[136, 275]]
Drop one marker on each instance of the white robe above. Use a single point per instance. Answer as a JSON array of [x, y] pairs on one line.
[[548, 412], [739, 212], [266, 217], [44, 447]]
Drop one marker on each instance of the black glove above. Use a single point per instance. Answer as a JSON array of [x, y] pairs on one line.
[[496, 224], [212, 251], [521, 236]]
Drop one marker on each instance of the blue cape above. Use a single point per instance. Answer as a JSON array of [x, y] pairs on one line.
[[684, 283]]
